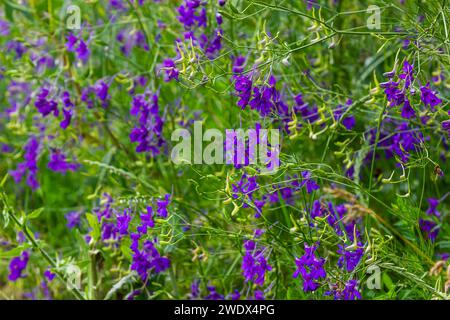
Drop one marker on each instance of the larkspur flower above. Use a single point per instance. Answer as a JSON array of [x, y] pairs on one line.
[[162, 205], [350, 257], [18, 47], [49, 275], [254, 264], [258, 295], [236, 295], [44, 104], [407, 111], [219, 19], [67, 110], [17, 266], [446, 126], [432, 209], [195, 289], [78, 46], [245, 187], [213, 294], [238, 65], [4, 28], [146, 221], [307, 181], [29, 166], [123, 222], [71, 42], [82, 51], [404, 141], [429, 97], [407, 74], [348, 121], [148, 133], [349, 292], [101, 90], [310, 268], [147, 259], [58, 162], [429, 228], [73, 219], [243, 87], [308, 113]]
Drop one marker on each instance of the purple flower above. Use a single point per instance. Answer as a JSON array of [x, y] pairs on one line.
[[394, 95], [170, 70], [109, 231], [404, 141], [219, 19], [162, 206], [148, 133], [213, 295], [44, 105], [73, 219], [407, 111], [71, 42], [78, 46], [243, 88], [429, 97], [350, 258], [18, 47], [348, 122], [213, 45], [258, 295], [123, 222], [101, 90], [238, 64], [17, 266], [67, 110], [49, 275], [429, 228], [29, 165], [201, 18], [254, 264], [82, 51], [146, 221], [195, 289], [446, 126], [311, 3], [350, 292], [311, 185], [407, 74], [4, 28], [236, 295], [147, 259], [310, 268], [187, 14], [432, 209], [58, 162]]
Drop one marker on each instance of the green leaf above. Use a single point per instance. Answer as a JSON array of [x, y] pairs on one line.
[[93, 223], [14, 252], [35, 214]]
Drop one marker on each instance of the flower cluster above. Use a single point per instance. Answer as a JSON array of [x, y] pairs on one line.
[[77, 45], [29, 166], [254, 263], [310, 268], [148, 133]]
